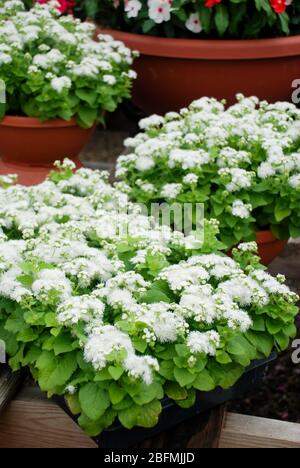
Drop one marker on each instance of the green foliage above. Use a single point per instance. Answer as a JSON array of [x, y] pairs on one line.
[[41, 75], [229, 19]]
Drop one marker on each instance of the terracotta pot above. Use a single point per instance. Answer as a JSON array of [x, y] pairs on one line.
[[268, 246], [29, 147], [174, 72]]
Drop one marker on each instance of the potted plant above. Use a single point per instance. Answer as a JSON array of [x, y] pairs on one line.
[[210, 48], [59, 84], [115, 313], [241, 163]]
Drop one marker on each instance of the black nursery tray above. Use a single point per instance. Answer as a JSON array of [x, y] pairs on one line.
[[119, 437]]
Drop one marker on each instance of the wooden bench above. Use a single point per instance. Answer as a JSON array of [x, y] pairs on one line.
[[32, 421]]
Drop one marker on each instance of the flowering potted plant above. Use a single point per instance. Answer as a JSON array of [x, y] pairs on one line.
[[243, 163], [113, 312], [59, 83], [205, 48]]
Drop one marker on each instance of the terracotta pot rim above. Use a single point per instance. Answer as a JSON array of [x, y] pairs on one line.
[[207, 49], [30, 122], [265, 237]]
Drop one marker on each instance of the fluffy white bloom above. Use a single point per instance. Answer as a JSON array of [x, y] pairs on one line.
[[61, 83], [188, 159], [241, 210], [190, 179], [294, 181], [144, 163], [240, 179], [206, 343], [107, 339], [183, 275], [109, 79], [153, 121], [171, 191], [49, 281], [78, 308]]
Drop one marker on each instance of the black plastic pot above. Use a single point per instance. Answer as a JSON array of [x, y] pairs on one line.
[[119, 437]]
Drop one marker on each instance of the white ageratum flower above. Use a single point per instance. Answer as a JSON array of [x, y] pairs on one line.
[[61, 83], [294, 181], [104, 340], [132, 8], [241, 210], [160, 10], [193, 23], [171, 191], [153, 121], [109, 79], [144, 163], [5, 58], [206, 343], [190, 179]]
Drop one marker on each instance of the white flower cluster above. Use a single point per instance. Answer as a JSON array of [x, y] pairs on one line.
[[236, 147], [50, 53], [70, 260]]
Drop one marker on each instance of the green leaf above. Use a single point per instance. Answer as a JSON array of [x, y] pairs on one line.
[[258, 324], [87, 116], [144, 416], [183, 377], [166, 369], [223, 358], [66, 366], [273, 326], [116, 372], [189, 401], [221, 19], [63, 343], [87, 95], [116, 393], [204, 382], [73, 404], [27, 336], [282, 210], [282, 340], [16, 361], [94, 401], [94, 428], [241, 349], [175, 392], [263, 342]]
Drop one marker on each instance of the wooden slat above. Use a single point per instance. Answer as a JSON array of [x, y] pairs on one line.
[[39, 424], [31, 421], [251, 432], [9, 384]]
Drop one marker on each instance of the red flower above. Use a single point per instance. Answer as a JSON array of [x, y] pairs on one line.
[[212, 3], [65, 6], [279, 6]]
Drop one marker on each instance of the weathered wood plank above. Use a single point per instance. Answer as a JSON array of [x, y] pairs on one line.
[[40, 424], [9, 384], [251, 432]]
